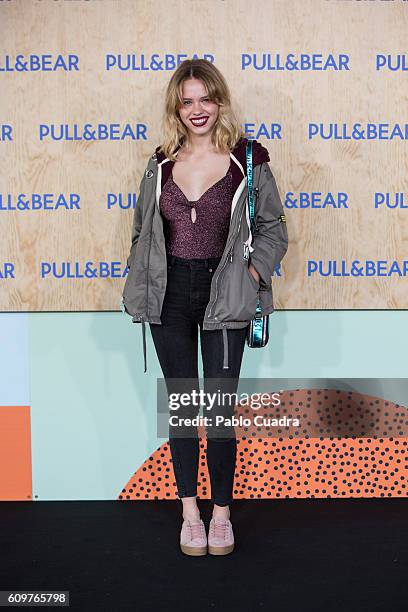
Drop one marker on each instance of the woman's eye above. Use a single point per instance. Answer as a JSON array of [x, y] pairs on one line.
[[185, 102]]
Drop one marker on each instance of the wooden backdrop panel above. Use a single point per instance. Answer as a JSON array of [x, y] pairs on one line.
[[292, 99]]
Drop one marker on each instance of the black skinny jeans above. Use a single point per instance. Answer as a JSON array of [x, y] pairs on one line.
[[176, 343]]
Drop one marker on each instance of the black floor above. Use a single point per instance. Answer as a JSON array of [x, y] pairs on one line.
[[290, 555]]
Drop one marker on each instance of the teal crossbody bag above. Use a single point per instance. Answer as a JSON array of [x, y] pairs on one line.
[[258, 329]]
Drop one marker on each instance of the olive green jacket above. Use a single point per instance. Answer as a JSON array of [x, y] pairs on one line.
[[234, 290]]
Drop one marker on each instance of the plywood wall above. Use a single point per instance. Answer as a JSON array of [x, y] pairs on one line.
[[351, 90]]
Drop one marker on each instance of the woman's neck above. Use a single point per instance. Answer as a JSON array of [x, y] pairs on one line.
[[198, 145]]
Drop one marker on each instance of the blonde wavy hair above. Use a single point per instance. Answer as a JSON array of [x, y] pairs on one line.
[[227, 131]]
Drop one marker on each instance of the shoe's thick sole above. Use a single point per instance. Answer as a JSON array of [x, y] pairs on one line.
[[194, 551], [220, 550]]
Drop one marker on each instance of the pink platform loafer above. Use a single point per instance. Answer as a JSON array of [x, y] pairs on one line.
[[220, 537], [193, 539]]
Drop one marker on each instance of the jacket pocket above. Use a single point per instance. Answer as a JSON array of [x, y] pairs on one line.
[[255, 282], [237, 293], [134, 290], [139, 252]]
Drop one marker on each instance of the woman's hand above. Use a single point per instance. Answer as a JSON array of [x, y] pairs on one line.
[[254, 273]]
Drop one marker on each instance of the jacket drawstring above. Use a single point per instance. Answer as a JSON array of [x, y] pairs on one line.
[[144, 345], [225, 342]]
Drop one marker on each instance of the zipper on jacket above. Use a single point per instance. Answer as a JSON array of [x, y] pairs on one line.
[[229, 256], [256, 193]]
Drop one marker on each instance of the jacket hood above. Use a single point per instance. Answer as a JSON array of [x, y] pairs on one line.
[[259, 155], [259, 152]]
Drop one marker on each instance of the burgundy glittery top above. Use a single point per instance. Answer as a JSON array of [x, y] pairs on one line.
[[207, 236]]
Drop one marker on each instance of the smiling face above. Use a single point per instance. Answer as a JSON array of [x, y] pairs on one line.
[[198, 113]]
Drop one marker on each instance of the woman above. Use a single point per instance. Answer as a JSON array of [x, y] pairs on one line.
[[187, 274]]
